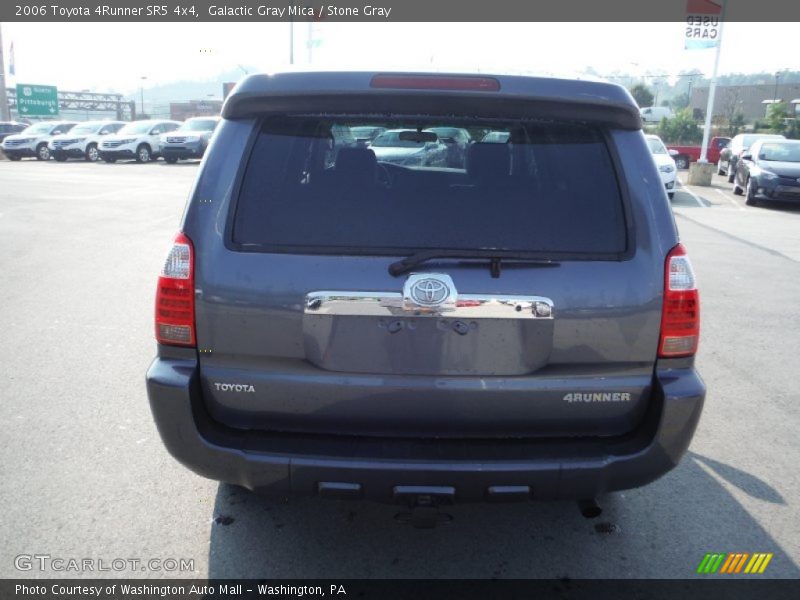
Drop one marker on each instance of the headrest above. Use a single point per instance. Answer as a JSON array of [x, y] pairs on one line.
[[486, 160], [359, 164]]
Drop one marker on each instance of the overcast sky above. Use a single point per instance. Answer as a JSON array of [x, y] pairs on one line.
[[114, 56]]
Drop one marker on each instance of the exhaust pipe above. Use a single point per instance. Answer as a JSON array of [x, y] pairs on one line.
[[589, 508]]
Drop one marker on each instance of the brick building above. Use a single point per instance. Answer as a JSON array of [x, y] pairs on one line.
[[751, 100]]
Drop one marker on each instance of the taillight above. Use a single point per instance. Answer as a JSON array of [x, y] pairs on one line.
[[436, 82], [175, 295], [680, 319]]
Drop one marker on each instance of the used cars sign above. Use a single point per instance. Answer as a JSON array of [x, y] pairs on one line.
[[703, 18]]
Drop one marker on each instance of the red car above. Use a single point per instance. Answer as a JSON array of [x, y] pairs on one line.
[[684, 155]]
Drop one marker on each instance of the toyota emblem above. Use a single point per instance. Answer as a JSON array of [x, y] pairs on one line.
[[429, 292]]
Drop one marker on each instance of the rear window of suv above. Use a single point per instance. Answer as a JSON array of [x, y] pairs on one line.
[[308, 187]]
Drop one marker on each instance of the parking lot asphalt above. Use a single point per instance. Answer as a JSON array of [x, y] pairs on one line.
[[85, 474]]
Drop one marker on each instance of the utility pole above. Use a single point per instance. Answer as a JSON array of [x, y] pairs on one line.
[[777, 77], [5, 114], [689, 93]]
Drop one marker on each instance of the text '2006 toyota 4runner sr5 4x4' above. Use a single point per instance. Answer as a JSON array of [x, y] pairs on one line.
[[371, 318]]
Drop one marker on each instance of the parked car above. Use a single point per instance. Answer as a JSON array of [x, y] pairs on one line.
[[10, 127], [81, 141], [769, 170], [138, 140], [496, 137], [411, 148], [507, 331], [729, 157], [684, 155], [365, 135], [33, 140], [457, 140], [664, 162], [654, 114], [190, 140]]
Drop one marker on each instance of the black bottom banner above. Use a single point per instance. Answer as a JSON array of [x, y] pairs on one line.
[[388, 589]]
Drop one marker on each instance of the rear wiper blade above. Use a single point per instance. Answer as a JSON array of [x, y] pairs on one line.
[[494, 256]]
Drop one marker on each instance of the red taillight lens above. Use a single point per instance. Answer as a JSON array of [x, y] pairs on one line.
[[175, 295], [436, 82], [680, 319]]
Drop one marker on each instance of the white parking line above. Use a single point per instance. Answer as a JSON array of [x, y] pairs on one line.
[[731, 200], [692, 194]]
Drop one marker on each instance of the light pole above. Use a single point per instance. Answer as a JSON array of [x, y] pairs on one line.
[[141, 91], [777, 77]]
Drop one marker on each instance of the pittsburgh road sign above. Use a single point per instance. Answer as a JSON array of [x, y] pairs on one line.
[[37, 100]]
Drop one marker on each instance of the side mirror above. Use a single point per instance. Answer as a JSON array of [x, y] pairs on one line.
[[747, 156]]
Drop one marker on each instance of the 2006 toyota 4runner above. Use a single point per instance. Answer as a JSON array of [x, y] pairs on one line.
[[369, 318]]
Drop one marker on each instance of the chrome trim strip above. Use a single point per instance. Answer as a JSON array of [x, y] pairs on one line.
[[390, 304]]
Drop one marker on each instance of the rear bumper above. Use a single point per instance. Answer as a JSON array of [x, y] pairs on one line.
[[384, 469]]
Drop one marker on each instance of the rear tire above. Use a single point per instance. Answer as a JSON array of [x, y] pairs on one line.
[[731, 176], [750, 196], [719, 169], [736, 189], [42, 152], [681, 162], [143, 154]]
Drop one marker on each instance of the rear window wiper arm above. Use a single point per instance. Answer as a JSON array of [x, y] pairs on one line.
[[494, 256]]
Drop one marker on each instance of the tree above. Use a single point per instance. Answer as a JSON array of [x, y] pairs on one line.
[[776, 117], [680, 101], [642, 95], [681, 129], [735, 124]]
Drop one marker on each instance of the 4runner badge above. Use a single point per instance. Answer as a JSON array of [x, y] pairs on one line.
[[234, 387], [597, 397]]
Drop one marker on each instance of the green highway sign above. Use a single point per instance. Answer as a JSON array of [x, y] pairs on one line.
[[37, 100]]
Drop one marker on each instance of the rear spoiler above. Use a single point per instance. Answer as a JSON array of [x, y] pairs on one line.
[[514, 98]]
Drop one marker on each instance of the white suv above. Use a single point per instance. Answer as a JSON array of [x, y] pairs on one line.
[[82, 140], [33, 141], [138, 140]]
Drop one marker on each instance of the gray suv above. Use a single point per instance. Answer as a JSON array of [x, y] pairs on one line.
[[333, 323], [190, 140]]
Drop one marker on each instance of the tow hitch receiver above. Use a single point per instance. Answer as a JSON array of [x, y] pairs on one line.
[[424, 503]]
